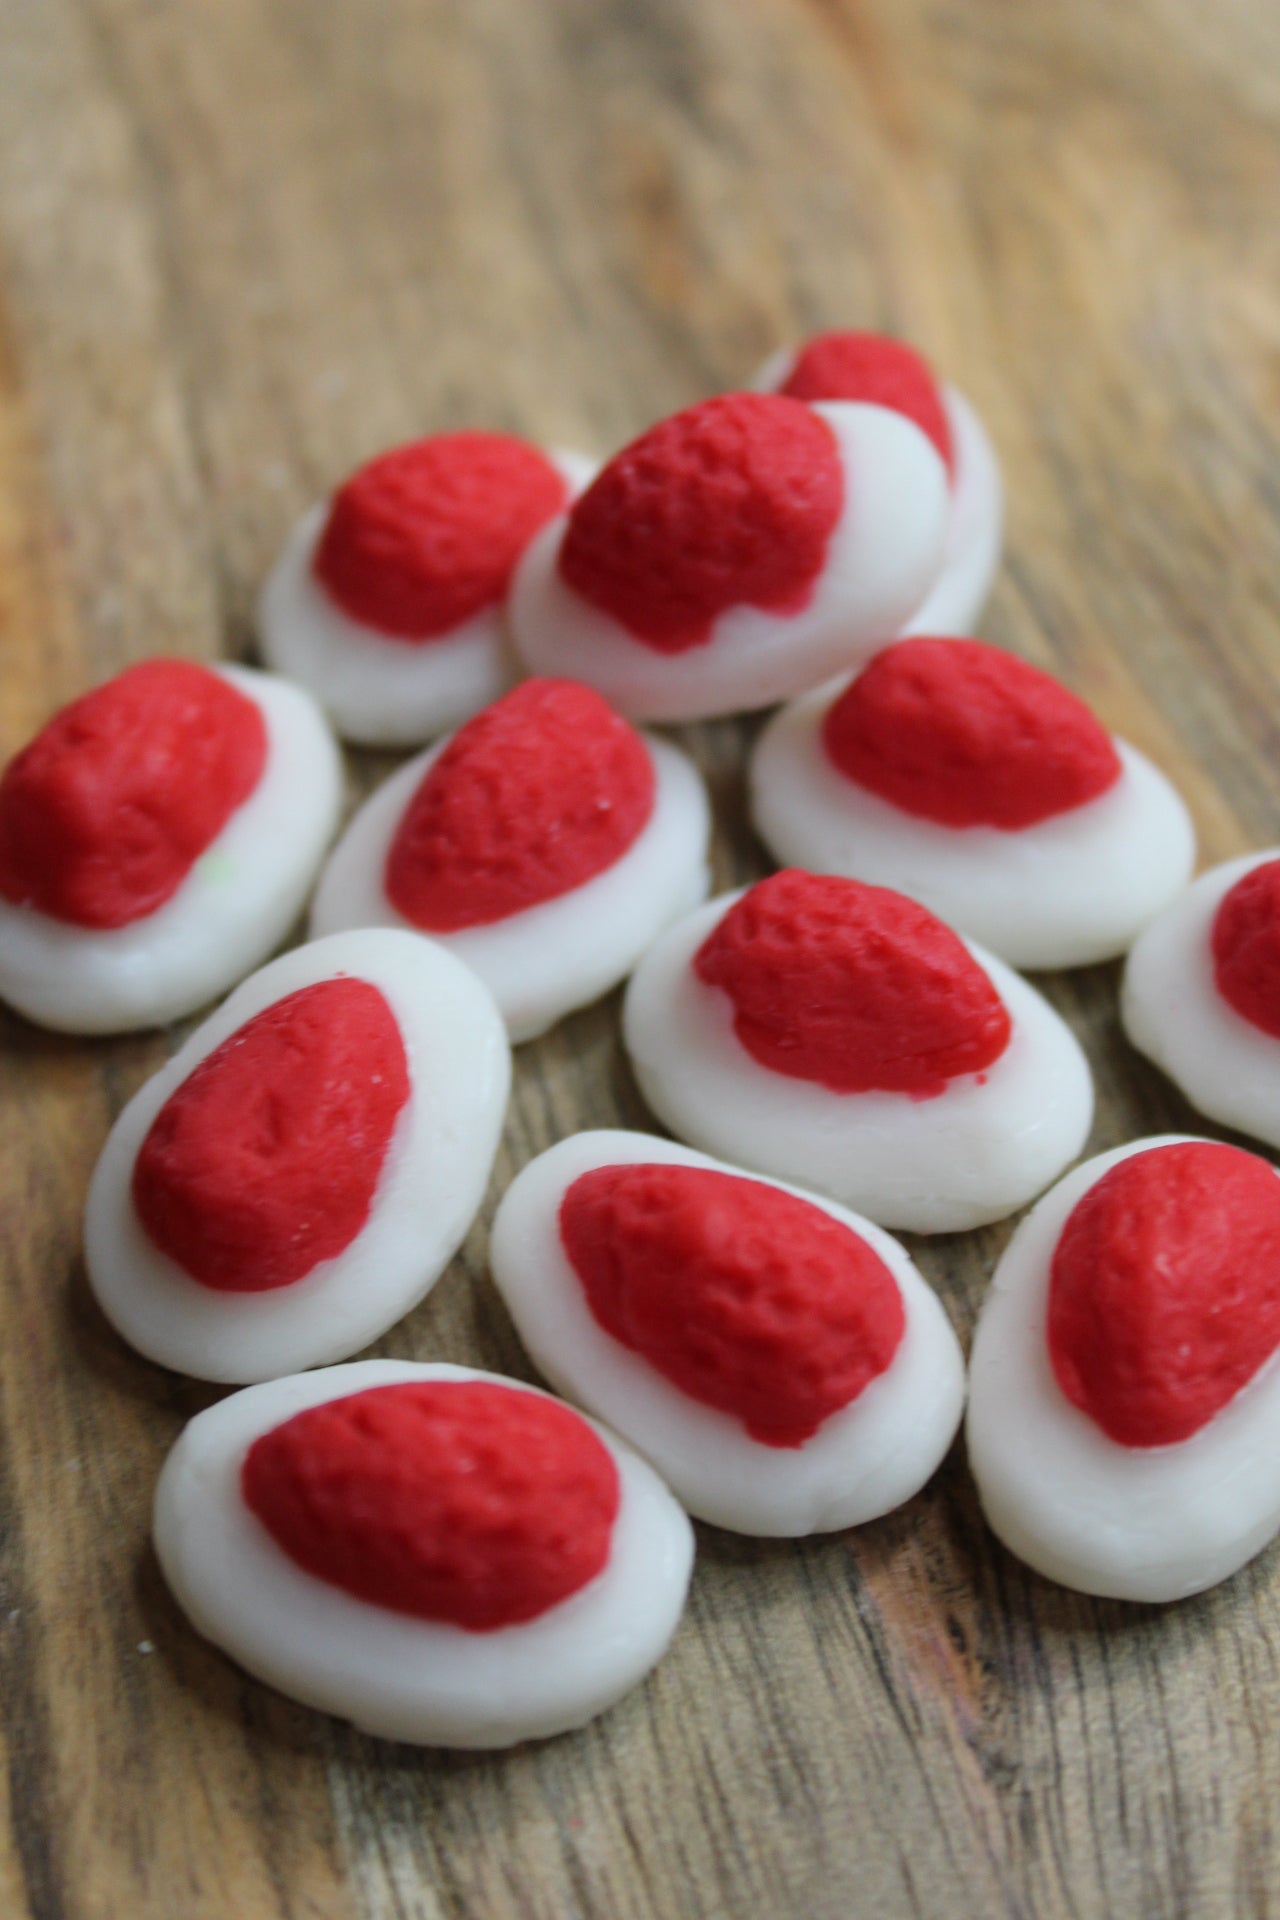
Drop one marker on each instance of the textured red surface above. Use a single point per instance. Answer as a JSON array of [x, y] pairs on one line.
[[266, 1159], [104, 814], [874, 368], [452, 1500], [1164, 1295], [969, 736], [730, 503], [852, 986], [746, 1298], [425, 536], [537, 794], [1246, 947]]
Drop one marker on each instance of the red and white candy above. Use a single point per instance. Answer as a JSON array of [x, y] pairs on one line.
[[876, 370], [978, 784], [734, 555], [841, 1036], [1124, 1403], [546, 844], [157, 839], [779, 1360], [300, 1173], [442, 1556], [1201, 994], [389, 600]]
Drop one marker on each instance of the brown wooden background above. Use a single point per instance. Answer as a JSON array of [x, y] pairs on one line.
[[243, 245]]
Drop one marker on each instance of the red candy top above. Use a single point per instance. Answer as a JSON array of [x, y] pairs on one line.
[[1164, 1296], [266, 1159], [727, 504], [1246, 947], [969, 736], [852, 986], [106, 812], [871, 367], [451, 1500], [746, 1298], [423, 537], [537, 794]]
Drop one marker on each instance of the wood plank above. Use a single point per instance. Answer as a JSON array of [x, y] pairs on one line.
[[243, 246]]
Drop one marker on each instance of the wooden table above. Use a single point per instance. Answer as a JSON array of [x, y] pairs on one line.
[[244, 245]]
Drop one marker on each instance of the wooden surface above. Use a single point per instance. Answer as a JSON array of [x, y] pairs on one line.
[[242, 246]]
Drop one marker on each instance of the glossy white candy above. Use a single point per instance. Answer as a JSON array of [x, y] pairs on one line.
[[380, 691], [1173, 1012], [1066, 892], [865, 1458], [975, 1153], [562, 953], [1134, 1523], [975, 519], [236, 904], [882, 558], [432, 1181], [392, 1674]]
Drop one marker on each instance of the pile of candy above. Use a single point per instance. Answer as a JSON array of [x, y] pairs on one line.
[[447, 1556]]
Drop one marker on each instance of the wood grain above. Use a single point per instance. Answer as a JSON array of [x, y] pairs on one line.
[[243, 246]]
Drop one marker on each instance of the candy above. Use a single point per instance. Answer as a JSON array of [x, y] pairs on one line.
[[1200, 994], [872, 369], [734, 555], [974, 1093], [157, 841], [779, 1360], [978, 784], [389, 600], [300, 1173], [1124, 1412], [440, 1555], [546, 844]]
